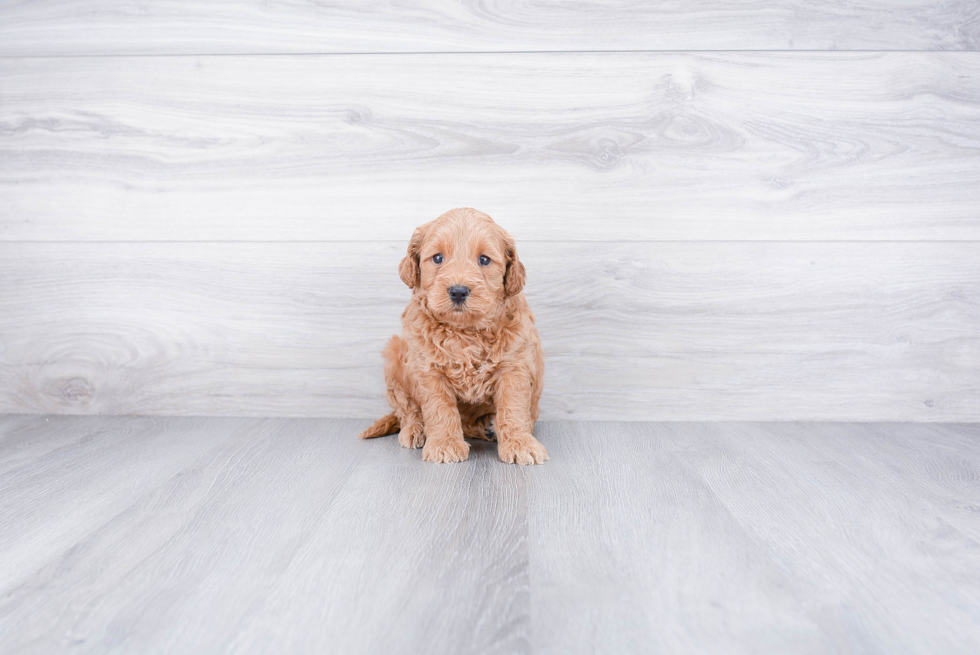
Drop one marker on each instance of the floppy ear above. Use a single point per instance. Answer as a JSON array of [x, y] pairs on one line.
[[514, 273], [408, 270]]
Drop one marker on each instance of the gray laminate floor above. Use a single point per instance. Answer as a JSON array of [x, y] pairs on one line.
[[270, 535]]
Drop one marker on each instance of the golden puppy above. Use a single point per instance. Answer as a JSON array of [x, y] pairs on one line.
[[469, 360]]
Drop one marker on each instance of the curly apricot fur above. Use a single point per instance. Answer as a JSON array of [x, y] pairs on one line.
[[464, 370]]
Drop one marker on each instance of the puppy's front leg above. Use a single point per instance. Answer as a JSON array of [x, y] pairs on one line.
[[515, 443], [443, 429]]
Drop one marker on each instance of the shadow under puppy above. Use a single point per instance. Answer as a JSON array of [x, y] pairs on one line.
[[469, 361]]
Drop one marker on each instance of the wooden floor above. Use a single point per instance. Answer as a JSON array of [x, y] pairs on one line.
[[216, 535]]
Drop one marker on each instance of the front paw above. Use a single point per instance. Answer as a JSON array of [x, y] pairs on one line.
[[445, 451], [521, 449]]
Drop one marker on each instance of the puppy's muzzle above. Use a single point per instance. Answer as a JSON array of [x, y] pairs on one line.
[[458, 294]]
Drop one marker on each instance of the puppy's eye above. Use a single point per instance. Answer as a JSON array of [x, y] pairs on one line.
[[484, 260], [437, 258]]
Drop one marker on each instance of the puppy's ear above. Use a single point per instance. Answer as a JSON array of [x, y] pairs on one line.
[[408, 270], [514, 274]]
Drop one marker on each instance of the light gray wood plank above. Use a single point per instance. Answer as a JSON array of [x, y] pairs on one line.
[[220, 528], [69, 27], [877, 554], [25, 438], [588, 147], [681, 331], [292, 535], [631, 552], [413, 559], [49, 503], [282, 539], [700, 537], [938, 465], [229, 324]]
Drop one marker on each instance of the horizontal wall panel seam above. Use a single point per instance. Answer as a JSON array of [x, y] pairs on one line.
[[82, 242], [486, 52]]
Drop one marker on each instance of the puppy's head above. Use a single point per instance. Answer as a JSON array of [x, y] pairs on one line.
[[464, 266]]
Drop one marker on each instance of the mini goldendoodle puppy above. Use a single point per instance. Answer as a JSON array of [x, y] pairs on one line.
[[469, 360]]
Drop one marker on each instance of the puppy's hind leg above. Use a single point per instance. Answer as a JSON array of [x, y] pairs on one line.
[[400, 398], [478, 421]]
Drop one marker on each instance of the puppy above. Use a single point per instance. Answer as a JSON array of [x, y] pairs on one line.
[[469, 361]]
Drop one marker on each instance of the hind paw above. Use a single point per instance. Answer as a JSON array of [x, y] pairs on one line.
[[412, 436]]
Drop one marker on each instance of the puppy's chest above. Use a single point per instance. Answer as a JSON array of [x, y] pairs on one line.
[[470, 368]]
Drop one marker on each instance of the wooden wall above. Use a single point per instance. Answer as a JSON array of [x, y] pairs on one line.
[[759, 210]]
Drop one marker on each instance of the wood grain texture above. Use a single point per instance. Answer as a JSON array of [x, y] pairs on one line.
[[589, 147], [46, 514], [799, 491], [74, 27], [631, 552], [185, 552], [421, 559], [258, 535], [23, 438], [678, 331], [825, 540]]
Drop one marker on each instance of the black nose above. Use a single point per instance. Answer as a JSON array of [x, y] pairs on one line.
[[458, 293]]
